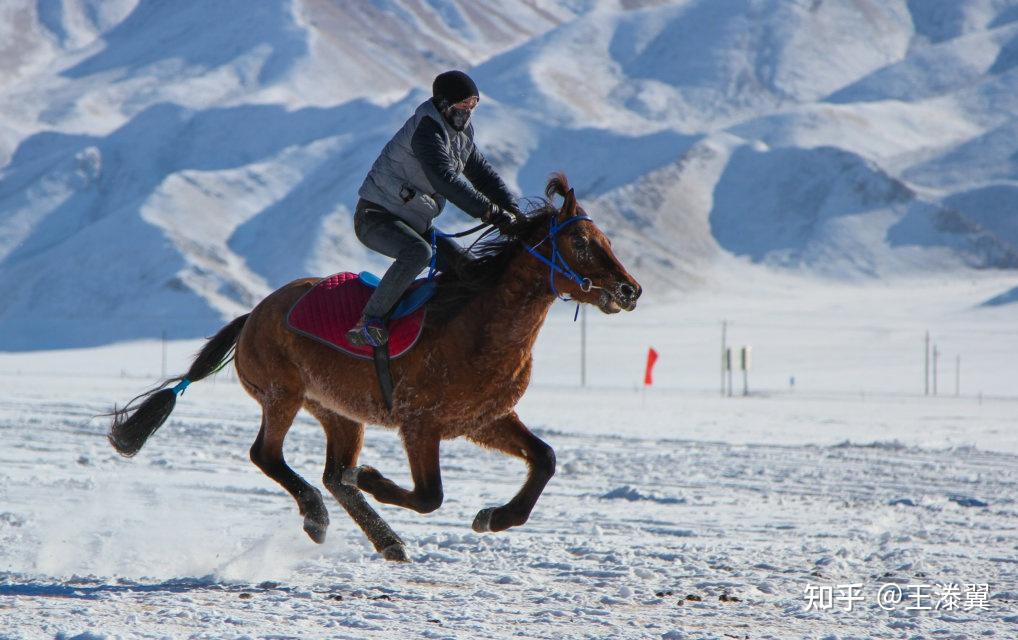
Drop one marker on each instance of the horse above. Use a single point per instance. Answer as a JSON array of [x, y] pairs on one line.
[[464, 377]]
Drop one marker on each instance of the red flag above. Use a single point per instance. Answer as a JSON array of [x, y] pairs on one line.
[[651, 359]]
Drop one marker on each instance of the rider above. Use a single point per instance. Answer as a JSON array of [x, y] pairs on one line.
[[430, 160]]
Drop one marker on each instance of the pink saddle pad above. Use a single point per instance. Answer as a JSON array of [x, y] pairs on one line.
[[335, 304]]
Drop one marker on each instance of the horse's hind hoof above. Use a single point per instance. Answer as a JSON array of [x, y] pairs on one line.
[[316, 528], [482, 522], [395, 553]]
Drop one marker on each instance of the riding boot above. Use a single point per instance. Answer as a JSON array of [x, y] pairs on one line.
[[370, 331]]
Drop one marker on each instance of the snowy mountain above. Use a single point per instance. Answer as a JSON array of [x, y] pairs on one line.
[[164, 165]]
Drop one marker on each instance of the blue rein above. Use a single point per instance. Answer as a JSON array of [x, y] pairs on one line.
[[436, 234], [556, 264], [433, 265]]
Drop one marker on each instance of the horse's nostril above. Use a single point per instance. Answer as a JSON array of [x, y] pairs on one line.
[[627, 291]]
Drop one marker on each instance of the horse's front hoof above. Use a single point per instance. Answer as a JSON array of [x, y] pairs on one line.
[[395, 553], [482, 522], [316, 528]]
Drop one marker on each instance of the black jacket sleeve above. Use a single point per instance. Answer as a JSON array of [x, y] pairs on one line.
[[428, 144], [482, 175]]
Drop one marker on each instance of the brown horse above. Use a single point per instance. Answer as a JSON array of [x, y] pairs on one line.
[[464, 377]]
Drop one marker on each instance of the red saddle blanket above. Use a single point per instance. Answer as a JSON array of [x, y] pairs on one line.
[[335, 304]]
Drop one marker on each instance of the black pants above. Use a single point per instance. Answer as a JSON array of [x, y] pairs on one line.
[[387, 234]]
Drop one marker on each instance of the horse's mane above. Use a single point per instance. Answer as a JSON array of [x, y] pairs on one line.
[[473, 275], [479, 272]]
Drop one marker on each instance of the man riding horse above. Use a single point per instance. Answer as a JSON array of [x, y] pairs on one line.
[[431, 159], [471, 359]]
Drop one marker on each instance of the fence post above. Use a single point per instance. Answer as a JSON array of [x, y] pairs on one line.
[[728, 368], [745, 363]]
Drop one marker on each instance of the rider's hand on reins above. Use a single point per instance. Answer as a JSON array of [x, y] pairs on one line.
[[503, 219]]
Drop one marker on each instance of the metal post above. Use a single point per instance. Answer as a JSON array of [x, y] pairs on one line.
[[583, 345], [728, 365], [745, 362], [724, 330], [936, 360], [926, 368]]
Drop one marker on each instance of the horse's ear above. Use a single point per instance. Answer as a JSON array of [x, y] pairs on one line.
[[569, 206]]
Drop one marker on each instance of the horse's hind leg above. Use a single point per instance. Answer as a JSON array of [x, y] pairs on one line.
[[267, 453], [511, 436], [344, 438]]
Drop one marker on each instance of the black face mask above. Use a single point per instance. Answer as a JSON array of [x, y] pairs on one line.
[[458, 118]]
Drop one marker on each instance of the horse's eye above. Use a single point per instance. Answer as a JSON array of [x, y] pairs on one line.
[[580, 243]]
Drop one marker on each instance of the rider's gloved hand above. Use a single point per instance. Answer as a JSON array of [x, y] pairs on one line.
[[503, 219]]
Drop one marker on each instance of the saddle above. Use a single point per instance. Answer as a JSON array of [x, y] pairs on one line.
[[333, 306]]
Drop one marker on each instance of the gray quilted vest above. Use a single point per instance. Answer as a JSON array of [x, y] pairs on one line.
[[396, 180]]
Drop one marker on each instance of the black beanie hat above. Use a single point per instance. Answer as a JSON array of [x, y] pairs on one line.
[[453, 86]]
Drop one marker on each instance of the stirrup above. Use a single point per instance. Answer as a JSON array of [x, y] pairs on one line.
[[368, 332]]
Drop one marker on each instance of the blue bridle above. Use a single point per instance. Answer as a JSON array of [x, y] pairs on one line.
[[557, 264]]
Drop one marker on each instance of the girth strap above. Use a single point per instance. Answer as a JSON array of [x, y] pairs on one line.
[[381, 358]]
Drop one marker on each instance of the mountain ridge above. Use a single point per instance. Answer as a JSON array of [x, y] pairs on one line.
[[194, 160]]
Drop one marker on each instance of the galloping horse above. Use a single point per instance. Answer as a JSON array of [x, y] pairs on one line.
[[464, 377]]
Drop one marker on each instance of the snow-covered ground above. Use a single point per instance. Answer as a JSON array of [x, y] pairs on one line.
[[675, 513]]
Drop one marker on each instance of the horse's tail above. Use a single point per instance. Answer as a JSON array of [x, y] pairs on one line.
[[132, 427]]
